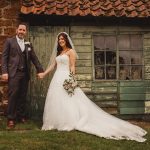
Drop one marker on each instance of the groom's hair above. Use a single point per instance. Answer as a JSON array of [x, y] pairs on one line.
[[65, 36], [22, 23]]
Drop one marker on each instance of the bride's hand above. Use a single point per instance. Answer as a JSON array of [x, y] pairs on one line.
[[41, 75]]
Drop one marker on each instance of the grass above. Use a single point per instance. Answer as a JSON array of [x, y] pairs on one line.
[[30, 137]]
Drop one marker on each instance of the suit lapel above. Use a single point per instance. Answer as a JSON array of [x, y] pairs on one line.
[[26, 51], [18, 47]]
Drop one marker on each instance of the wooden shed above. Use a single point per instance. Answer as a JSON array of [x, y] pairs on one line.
[[112, 39]]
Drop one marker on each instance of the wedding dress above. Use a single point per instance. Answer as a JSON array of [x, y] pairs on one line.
[[78, 112]]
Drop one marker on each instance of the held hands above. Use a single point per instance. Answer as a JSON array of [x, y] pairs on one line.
[[5, 77], [41, 75]]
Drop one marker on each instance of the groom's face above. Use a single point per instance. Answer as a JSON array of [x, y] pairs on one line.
[[21, 31]]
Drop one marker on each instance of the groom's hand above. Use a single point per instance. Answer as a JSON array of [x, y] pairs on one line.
[[5, 77]]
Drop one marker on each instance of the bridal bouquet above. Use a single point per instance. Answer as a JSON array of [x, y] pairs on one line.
[[70, 84]]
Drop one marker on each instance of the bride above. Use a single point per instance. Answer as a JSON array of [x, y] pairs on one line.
[[77, 112]]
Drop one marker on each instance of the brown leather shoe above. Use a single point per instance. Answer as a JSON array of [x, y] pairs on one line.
[[10, 124]]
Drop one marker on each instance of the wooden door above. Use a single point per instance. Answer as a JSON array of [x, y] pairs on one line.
[[42, 38]]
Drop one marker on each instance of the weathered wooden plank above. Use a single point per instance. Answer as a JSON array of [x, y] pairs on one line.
[[107, 104], [84, 84], [84, 70], [131, 104], [83, 35], [113, 111], [83, 63], [86, 90], [147, 106], [105, 89], [84, 77], [83, 42], [83, 48], [132, 83], [131, 97], [137, 110], [84, 55], [105, 97], [133, 90], [104, 83], [147, 69]]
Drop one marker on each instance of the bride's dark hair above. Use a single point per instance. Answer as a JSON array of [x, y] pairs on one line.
[[59, 48]]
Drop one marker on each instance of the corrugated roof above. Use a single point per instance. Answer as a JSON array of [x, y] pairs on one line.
[[118, 8]]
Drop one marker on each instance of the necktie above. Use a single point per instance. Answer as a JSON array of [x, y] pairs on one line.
[[21, 44]]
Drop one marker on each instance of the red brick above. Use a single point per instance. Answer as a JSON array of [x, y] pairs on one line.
[[9, 31], [6, 23], [11, 13], [4, 3]]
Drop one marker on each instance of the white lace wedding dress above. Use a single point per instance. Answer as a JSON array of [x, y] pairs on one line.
[[65, 113]]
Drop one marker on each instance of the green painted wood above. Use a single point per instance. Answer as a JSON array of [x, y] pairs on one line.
[[137, 110], [132, 90], [131, 97], [131, 104]]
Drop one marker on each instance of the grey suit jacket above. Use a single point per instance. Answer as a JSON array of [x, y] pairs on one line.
[[11, 55]]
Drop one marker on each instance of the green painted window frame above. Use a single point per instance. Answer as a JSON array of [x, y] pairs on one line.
[[131, 71]]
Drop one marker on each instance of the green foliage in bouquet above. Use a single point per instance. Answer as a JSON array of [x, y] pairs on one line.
[[70, 84]]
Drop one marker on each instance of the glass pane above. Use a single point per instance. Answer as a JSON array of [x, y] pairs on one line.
[[99, 43], [124, 42], [136, 57], [99, 58], [110, 57], [136, 72], [110, 43], [124, 57], [99, 73], [136, 42], [111, 72], [124, 72]]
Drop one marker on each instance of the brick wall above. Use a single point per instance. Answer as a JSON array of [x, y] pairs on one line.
[[9, 17]]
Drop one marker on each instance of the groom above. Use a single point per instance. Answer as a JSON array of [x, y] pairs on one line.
[[16, 58]]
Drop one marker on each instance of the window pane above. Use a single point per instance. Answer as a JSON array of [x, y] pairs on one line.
[[124, 57], [99, 43], [110, 43], [136, 57], [99, 58], [111, 72], [136, 72], [124, 73], [99, 73], [124, 42], [136, 42], [110, 57]]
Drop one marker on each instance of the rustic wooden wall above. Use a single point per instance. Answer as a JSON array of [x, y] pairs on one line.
[[116, 97], [9, 17]]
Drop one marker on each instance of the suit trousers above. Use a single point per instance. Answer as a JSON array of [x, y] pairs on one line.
[[17, 92]]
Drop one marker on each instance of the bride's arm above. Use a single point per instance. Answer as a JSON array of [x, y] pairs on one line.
[[72, 56], [50, 68]]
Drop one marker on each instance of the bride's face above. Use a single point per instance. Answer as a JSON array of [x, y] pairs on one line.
[[62, 41]]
